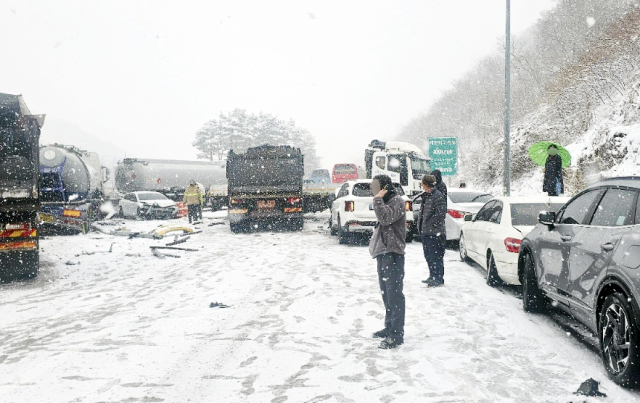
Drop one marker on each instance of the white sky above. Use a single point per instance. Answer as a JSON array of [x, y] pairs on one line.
[[145, 75]]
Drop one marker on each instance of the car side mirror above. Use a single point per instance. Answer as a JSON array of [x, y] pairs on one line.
[[547, 218], [468, 217]]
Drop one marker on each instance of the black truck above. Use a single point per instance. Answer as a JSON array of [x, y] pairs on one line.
[[19, 188], [265, 188]]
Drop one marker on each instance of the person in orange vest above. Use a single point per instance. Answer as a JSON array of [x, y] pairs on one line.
[[192, 198]]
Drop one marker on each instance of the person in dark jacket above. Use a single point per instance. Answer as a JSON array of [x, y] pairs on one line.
[[553, 183], [387, 247], [432, 230], [439, 183]]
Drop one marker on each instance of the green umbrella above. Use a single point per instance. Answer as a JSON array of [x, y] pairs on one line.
[[538, 153]]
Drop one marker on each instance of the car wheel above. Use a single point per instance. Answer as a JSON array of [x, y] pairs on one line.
[[462, 249], [492, 272], [332, 230], [618, 334], [138, 216], [342, 235], [532, 298]]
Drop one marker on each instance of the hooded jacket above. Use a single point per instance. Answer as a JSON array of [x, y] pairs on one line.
[[440, 183], [390, 233]]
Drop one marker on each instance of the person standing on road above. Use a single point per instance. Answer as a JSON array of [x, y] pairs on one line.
[[432, 230], [553, 183], [192, 197], [440, 185], [387, 247]]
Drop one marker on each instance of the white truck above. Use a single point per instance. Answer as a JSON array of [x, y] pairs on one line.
[[404, 162]]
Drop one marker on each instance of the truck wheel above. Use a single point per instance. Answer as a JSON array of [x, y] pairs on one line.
[[298, 224], [18, 265], [238, 227], [332, 230]]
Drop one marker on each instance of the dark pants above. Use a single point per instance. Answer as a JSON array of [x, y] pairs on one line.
[[193, 212], [433, 246], [390, 277]]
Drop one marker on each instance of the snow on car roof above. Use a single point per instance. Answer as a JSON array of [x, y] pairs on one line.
[[534, 199]]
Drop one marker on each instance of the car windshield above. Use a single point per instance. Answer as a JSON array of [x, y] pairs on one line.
[[151, 196], [469, 197], [526, 214], [364, 189]]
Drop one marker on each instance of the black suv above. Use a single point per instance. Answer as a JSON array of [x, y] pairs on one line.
[[586, 258]]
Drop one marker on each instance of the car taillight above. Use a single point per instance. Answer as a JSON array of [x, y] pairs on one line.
[[294, 200], [235, 201], [71, 213], [349, 206], [20, 226], [408, 206], [456, 213], [512, 244]]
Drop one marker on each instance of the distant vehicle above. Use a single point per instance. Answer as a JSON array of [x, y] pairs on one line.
[[405, 163], [147, 205], [492, 237], [171, 177], [586, 259], [265, 186], [71, 187], [352, 212], [459, 203], [347, 172], [319, 176], [19, 196]]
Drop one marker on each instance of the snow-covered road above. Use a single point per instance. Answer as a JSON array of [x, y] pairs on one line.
[[127, 326]]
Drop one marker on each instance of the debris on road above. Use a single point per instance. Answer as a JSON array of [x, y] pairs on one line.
[[219, 305], [174, 248], [590, 388], [177, 240], [160, 255]]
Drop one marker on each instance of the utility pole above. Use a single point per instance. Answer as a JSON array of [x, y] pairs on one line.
[[507, 103]]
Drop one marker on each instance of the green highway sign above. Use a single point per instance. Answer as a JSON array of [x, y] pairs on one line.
[[443, 152]]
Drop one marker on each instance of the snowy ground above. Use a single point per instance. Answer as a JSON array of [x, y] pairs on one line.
[[127, 326]]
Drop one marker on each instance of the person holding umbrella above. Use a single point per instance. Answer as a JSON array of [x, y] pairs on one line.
[[553, 158]]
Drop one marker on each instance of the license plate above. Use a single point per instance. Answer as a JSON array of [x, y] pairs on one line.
[[371, 207], [266, 204], [46, 218]]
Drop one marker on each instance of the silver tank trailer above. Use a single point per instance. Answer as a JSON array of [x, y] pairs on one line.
[[79, 170], [167, 175]]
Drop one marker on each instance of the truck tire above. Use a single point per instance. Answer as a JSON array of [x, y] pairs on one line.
[[297, 224], [332, 230], [238, 227], [19, 265]]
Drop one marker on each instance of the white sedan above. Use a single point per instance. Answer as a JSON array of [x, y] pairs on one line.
[[492, 237], [459, 203], [147, 204], [352, 211]]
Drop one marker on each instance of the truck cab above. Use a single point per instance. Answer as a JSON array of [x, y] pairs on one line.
[[404, 162]]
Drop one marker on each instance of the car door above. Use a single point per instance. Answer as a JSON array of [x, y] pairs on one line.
[[488, 229], [553, 248], [339, 201], [471, 230], [126, 204], [594, 245]]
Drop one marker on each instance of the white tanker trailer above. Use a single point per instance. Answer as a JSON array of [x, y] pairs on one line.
[[169, 177]]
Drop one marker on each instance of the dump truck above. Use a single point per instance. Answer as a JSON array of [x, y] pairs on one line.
[[265, 187], [19, 196], [71, 188]]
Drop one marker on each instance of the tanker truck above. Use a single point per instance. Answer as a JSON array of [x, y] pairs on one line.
[[71, 188], [169, 177], [19, 198]]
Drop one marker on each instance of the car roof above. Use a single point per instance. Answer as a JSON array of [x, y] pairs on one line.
[[354, 181], [629, 181], [145, 192], [536, 199]]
